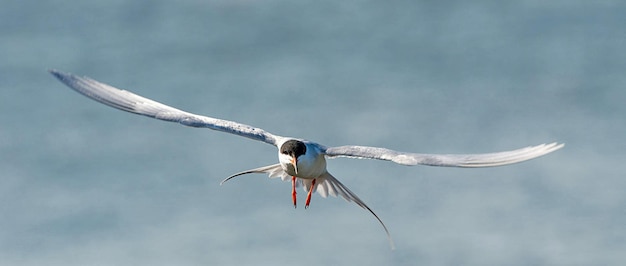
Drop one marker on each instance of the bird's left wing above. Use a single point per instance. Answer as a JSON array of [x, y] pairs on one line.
[[451, 160], [133, 103]]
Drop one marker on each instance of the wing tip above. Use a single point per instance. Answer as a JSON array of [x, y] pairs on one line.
[[549, 147], [56, 73], [530, 152], [66, 78]]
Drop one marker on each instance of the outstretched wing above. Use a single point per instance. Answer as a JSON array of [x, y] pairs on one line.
[[450, 160], [133, 103]]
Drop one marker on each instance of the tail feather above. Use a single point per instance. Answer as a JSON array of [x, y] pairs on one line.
[[274, 170], [325, 185]]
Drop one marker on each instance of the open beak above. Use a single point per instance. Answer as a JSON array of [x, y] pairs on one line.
[[294, 162]]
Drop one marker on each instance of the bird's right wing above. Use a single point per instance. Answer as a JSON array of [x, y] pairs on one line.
[[451, 160], [133, 103]]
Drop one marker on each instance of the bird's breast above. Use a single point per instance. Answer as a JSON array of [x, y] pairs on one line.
[[309, 167]]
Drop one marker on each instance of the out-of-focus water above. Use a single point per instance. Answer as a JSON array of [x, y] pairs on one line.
[[84, 184]]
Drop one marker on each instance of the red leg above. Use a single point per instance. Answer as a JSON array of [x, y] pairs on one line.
[[308, 196], [293, 190]]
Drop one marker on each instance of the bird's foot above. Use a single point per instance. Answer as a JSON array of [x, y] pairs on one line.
[[293, 191], [308, 195]]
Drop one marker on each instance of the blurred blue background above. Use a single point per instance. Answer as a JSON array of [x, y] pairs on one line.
[[84, 184]]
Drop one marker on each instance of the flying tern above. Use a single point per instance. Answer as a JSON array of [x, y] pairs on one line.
[[301, 161]]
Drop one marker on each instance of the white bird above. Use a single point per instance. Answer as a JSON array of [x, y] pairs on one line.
[[301, 161]]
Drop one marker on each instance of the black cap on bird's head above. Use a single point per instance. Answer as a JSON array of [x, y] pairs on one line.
[[293, 148]]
